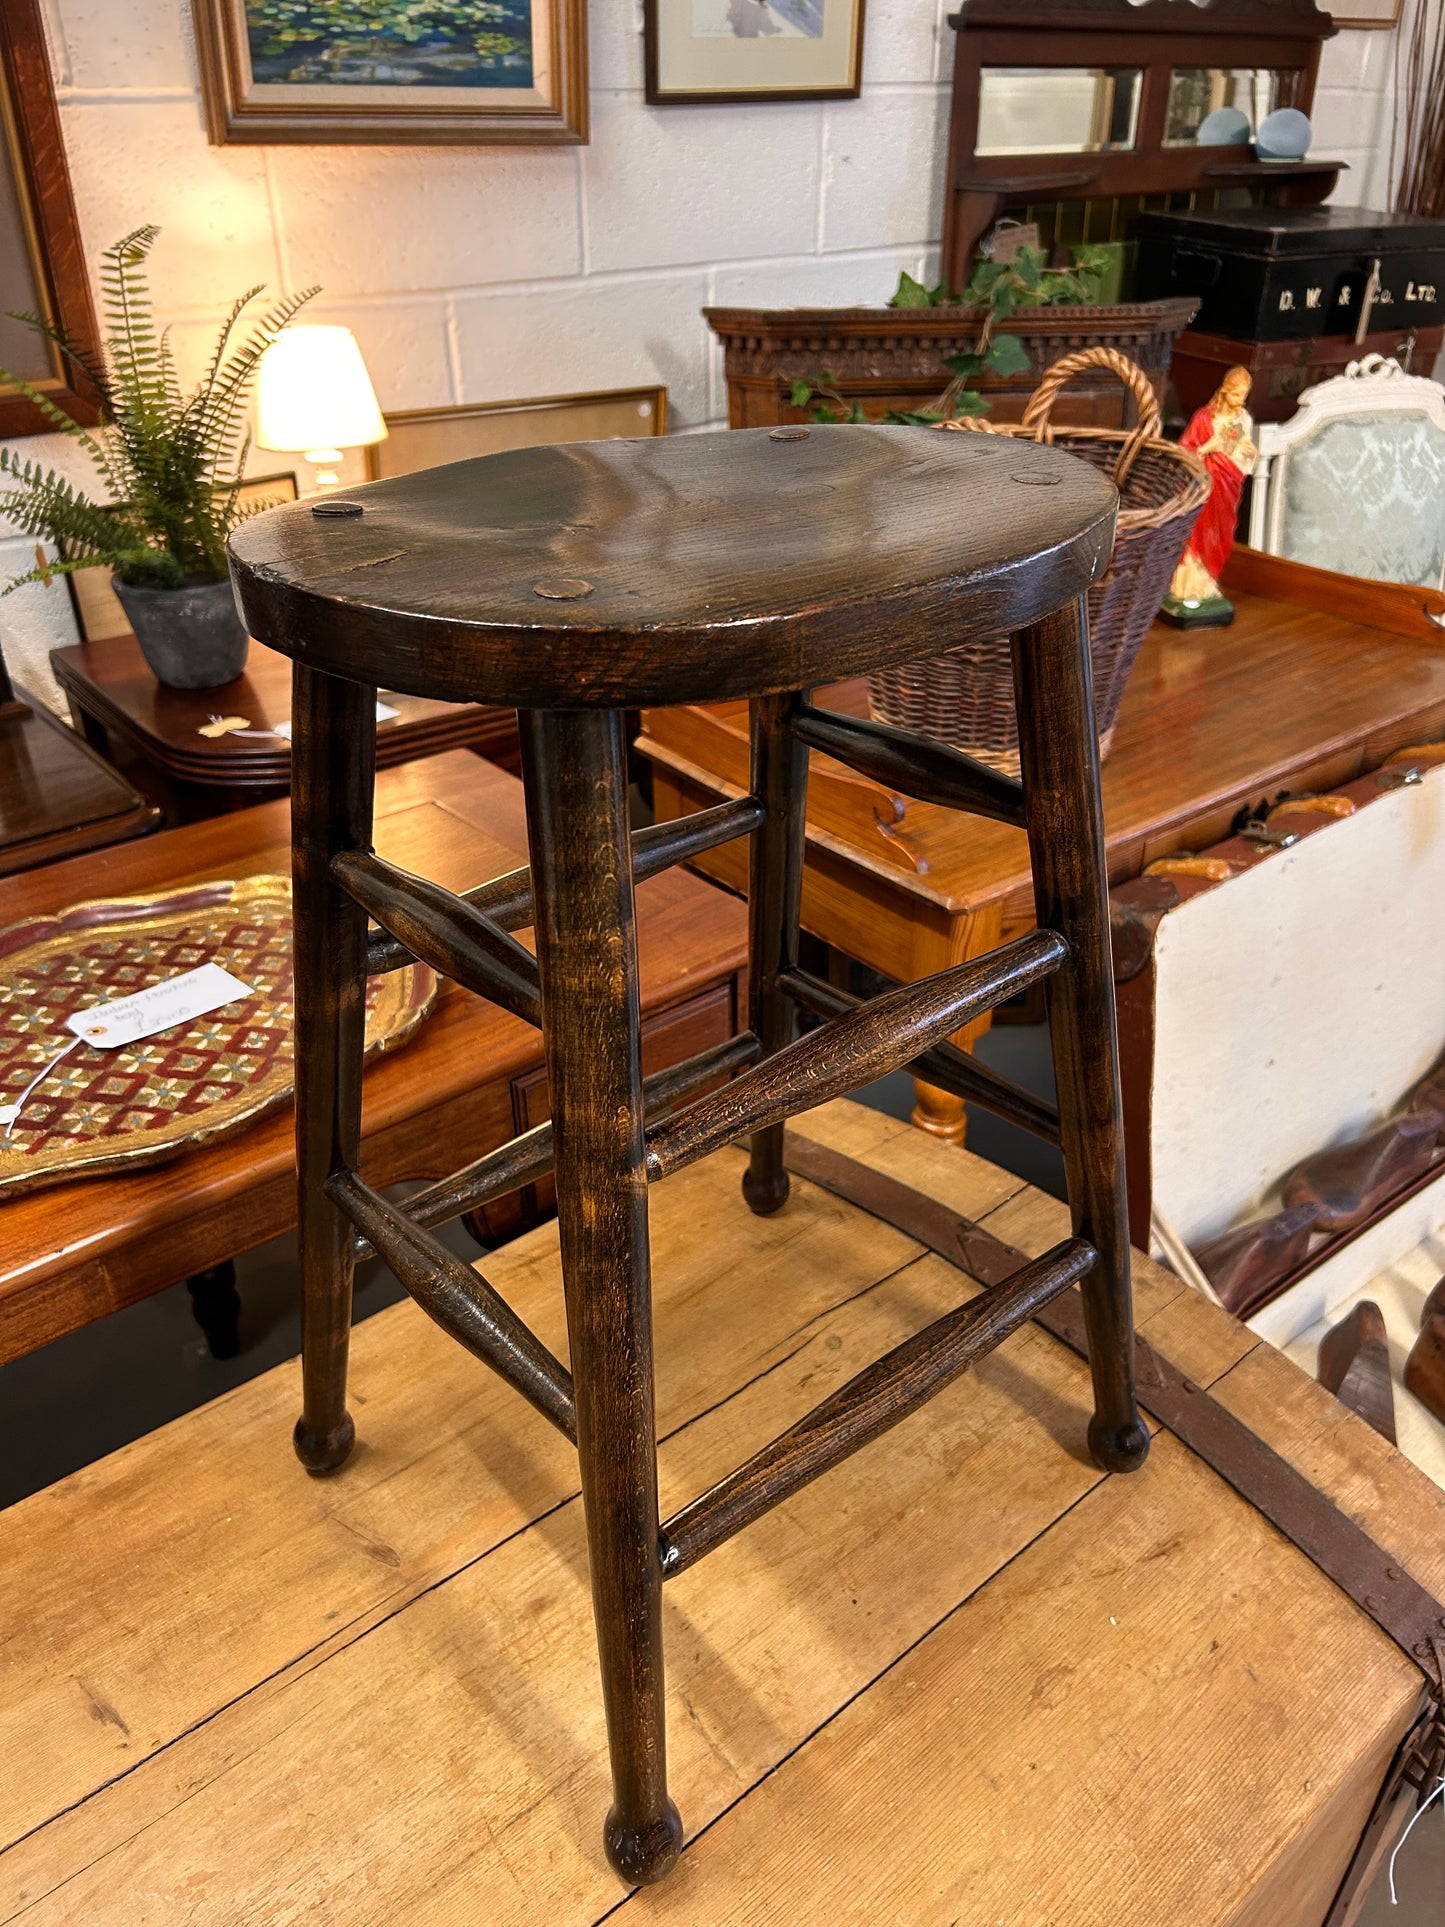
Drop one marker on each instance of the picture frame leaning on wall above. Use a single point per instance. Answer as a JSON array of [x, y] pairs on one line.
[[445, 72], [712, 52]]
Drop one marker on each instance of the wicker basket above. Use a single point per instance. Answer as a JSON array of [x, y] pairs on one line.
[[966, 696]]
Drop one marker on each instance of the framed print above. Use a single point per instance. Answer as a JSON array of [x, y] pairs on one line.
[[1368, 13], [464, 72], [42, 268], [98, 613], [709, 51], [428, 437]]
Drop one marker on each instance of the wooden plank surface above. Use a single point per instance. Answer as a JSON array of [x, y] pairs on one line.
[[965, 1678]]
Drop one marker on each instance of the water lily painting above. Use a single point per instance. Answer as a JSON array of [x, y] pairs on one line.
[[478, 71], [748, 50]]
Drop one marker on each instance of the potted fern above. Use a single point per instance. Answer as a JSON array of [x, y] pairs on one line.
[[172, 464]]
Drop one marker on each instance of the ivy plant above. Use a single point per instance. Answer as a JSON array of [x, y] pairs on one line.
[[1000, 289]]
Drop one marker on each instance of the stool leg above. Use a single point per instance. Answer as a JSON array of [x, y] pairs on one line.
[[332, 782], [573, 765], [1058, 752], [775, 895]]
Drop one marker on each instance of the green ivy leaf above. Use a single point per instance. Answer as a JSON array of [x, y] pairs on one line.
[[800, 394], [909, 293], [1007, 355], [965, 366]]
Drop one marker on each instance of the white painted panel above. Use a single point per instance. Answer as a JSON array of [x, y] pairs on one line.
[[1295, 1004]]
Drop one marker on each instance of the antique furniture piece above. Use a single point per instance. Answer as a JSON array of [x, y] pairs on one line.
[[1356, 481], [1320, 677], [57, 796], [1223, 436], [42, 268], [427, 437], [472, 1077], [276, 71], [167, 742], [1294, 293], [893, 357], [1071, 113], [1238, 968], [1012, 1667], [715, 51], [1283, 273], [576, 582]]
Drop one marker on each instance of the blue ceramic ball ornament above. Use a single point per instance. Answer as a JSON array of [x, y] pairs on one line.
[[1225, 127], [1283, 135]]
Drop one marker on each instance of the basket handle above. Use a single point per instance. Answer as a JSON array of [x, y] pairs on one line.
[[1146, 402]]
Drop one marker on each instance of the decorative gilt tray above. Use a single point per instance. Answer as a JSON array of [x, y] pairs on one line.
[[116, 1110]]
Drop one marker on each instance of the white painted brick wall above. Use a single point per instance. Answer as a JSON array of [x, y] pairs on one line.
[[477, 275]]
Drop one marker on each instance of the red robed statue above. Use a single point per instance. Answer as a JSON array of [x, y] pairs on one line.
[[1222, 434]]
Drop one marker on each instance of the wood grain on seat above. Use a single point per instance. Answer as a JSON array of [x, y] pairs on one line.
[[610, 574]]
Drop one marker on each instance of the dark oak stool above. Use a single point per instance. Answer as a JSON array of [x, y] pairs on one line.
[[576, 582]]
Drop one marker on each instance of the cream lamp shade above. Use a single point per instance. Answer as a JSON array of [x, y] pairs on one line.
[[315, 397]]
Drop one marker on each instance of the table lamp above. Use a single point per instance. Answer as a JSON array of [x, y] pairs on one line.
[[315, 397]]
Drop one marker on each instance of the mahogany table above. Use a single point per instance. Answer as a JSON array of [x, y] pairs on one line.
[[470, 1079], [57, 796], [152, 733], [1299, 694]]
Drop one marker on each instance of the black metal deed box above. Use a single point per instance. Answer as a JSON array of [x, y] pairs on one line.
[[1282, 273]]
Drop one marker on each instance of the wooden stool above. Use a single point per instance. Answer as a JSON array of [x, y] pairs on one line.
[[576, 582]]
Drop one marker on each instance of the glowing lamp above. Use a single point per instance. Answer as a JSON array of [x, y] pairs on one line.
[[314, 397]]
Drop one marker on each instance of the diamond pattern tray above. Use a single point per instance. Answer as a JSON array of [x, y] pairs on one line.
[[116, 1110]]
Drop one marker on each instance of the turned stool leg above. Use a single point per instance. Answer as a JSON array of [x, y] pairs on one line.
[[573, 766], [1058, 752], [332, 781], [775, 895]]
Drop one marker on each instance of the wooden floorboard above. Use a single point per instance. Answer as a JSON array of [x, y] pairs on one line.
[[935, 1686]]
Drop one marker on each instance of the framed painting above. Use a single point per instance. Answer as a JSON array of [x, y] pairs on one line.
[[703, 52], [428, 437], [404, 72], [42, 268]]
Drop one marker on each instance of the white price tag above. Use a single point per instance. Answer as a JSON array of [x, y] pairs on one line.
[[124, 1020]]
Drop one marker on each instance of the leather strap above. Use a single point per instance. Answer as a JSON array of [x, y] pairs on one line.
[[1342, 1550]]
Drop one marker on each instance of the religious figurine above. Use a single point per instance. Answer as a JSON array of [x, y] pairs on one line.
[[1222, 434]]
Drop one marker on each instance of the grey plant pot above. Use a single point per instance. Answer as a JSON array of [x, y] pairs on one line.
[[192, 637]]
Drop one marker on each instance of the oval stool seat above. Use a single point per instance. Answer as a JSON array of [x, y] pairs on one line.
[[626, 573]]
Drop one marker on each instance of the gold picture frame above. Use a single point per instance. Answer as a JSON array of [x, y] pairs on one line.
[[278, 71], [717, 52], [428, 437], [1369, 13], [98, 613]]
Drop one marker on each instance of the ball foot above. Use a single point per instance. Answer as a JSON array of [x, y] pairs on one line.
[[1118, 1448], [322, 1452], [765, 1195], [645, 1854]]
